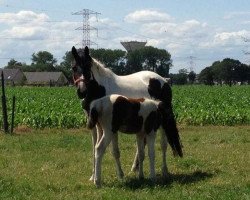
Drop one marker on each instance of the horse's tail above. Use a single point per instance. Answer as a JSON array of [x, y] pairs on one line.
[[92, 118], [168, 124]]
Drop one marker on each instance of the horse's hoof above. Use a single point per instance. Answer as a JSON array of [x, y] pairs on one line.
[[92, 177]]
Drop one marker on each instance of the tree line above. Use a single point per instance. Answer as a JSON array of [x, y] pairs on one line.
[[120, 62], [228, 71]]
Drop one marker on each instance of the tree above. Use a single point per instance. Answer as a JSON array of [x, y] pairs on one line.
[[242, 73], [13, 64], [191, 77], [134, 62], [149, 58], [180, 78], [65, 65], [43, 61], [113, 59], [226, 71], [206, 76]]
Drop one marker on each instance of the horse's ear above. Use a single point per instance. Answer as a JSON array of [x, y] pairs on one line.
[[86, 51], [75, 54]]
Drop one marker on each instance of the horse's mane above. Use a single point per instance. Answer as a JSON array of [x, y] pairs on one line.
[[102, 69]]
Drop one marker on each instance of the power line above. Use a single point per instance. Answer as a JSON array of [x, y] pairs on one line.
[[246, 52]]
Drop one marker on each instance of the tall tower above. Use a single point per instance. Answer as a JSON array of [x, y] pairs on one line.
[[86, 28], [133, 45], [246, 52]]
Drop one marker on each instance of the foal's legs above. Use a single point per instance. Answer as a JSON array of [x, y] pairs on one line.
[[96, 135], [116, 154], [135, 166], [99, 152], [141, 154], [164, 143], [151, 153]]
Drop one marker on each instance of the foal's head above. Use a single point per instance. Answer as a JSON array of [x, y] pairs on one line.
[[81, 68]]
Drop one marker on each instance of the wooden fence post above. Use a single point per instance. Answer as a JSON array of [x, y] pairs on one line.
[[4, 107]]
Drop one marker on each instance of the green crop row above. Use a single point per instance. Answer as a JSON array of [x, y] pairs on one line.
[[201, 105], [41, 107]]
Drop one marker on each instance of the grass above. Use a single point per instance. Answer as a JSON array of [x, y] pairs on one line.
[[56, 164]]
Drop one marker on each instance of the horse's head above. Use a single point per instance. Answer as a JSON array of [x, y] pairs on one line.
[[81, 67]]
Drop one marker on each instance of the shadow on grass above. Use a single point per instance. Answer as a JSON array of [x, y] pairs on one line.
[[135, 183]]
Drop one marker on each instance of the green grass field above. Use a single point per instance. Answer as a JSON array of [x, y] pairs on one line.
[[56, 164]]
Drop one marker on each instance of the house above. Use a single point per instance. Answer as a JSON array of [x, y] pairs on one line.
[[13, 76], [46, 78]]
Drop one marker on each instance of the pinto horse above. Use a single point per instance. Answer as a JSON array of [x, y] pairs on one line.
[[115, 113], [143, 84]]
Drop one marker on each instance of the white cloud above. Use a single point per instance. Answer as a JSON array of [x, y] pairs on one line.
[[31, 33], [145, 16], [246, 22], [232, 15], [189, 37], [23, 17], [26, 32], [230, 36]]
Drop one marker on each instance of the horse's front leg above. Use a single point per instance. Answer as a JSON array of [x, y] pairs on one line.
[[116, 154], [94, 139], [101, 146], [96, 135]]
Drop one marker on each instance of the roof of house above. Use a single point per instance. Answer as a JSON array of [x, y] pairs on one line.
[[35, 77], [9, 74]]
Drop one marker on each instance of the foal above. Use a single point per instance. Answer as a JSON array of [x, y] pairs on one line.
[[115, 113]]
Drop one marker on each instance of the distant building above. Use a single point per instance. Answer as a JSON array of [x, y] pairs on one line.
[[46, 78], [133, 45], [13, 76]]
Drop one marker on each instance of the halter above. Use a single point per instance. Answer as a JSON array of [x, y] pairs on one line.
[[82, 79]]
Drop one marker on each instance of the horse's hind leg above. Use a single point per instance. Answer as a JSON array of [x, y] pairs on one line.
[[116, 154], [135, 166], [141, 154], [151, 153]]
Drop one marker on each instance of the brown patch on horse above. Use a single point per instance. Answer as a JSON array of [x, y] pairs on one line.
[[139, 100], [125, 116], [152, 122]]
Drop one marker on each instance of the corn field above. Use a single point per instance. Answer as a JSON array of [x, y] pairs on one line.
[[40, 107]]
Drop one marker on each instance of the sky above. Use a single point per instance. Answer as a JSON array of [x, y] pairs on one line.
[[195, 32]]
